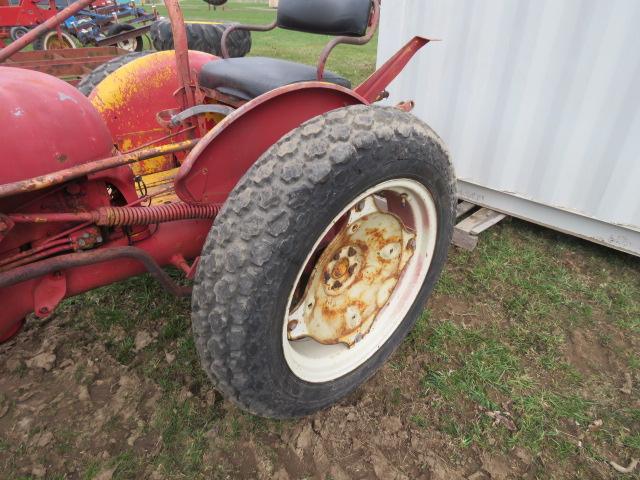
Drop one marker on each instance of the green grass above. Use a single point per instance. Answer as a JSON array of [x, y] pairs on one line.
[[353, 62], [532, 299]]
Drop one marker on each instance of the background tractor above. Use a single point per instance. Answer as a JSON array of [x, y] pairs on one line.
[[313, 222]]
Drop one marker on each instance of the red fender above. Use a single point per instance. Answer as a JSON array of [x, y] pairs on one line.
[[214, 167]]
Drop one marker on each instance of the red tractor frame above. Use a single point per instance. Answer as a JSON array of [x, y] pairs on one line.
[[313, 222], [26, 13]]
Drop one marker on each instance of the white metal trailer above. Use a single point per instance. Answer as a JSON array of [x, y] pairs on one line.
[[539, 103]]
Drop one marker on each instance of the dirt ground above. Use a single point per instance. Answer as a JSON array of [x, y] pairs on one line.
[[525, 365]]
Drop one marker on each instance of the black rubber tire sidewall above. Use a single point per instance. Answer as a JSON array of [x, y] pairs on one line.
[[91, 80], [232, 294], [204, 37], [13, 33]]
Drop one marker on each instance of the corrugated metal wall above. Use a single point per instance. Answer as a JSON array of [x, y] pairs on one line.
[[539, 102]]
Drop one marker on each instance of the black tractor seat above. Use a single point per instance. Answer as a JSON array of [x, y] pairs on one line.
[[249, 77]]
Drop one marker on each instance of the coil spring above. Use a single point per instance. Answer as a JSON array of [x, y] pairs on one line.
[[171, 212]]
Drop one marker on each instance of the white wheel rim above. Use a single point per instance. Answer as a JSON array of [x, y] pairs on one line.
[[316, 363], [68, 41], [128, 45]]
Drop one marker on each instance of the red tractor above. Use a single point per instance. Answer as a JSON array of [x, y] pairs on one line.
[[314, 223], [16, 17]]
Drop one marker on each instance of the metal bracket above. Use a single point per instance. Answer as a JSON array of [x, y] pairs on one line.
[[197, 110]]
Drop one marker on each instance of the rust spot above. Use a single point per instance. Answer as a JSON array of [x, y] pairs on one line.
[[61, 158], [340, 269]]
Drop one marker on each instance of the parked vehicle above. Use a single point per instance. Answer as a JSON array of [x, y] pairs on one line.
[[107, 23], [314, 223]]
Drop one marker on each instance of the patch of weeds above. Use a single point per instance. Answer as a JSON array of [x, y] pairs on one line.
[[482, 372], [92, 469], [477, 369], [448, 285], [64, 440], [235, 428], [420, 330], [4, 445], [183, 427], [450, 426], [126, 466], [418, 420], [122, 350], [79, 373], [396, 396], [540, 417]]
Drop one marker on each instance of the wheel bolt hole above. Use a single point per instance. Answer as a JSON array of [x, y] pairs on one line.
[[292, 325], [351, 252]]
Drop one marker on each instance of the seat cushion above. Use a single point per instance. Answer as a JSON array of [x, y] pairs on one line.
[[250, 77]]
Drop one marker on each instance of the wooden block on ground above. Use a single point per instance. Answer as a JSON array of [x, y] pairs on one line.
[[464, 207], [464, 240], [465, 234]]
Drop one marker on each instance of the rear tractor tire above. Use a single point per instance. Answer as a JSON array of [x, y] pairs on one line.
[[91, 81], [322, 259], [203, 36]]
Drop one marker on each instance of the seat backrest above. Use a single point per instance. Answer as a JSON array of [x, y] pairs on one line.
[[326, 17]]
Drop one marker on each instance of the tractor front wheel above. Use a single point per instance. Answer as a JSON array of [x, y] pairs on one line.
[[322, 259]]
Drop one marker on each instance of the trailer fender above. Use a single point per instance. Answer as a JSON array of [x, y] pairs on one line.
[[225, 153]]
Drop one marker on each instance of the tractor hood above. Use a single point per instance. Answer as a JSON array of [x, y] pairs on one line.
[[46, 125]]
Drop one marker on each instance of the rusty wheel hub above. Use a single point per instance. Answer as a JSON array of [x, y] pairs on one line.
[[354, 277], [359, 280]]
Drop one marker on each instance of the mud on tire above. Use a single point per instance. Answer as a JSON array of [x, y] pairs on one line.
[[205, 37], [269, 224]]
